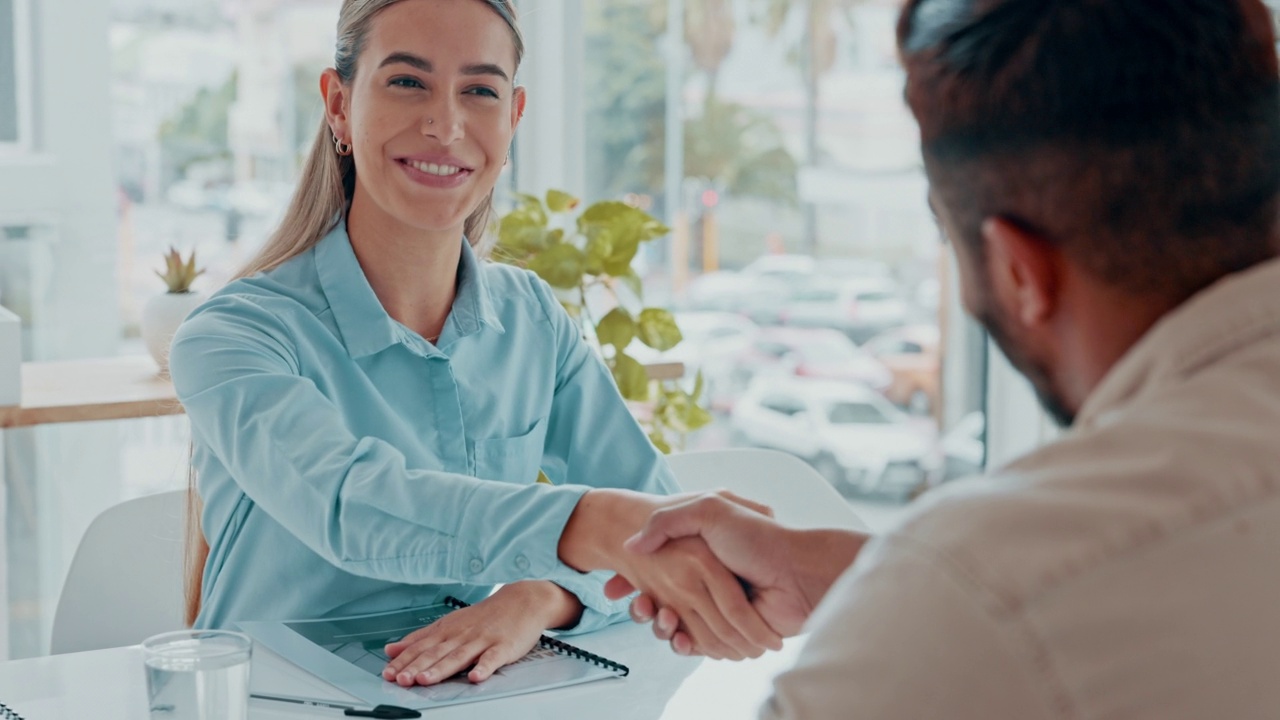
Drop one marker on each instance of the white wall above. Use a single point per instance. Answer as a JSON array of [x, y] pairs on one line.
[[550, 144]]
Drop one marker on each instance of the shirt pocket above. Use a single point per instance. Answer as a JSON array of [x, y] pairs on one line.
[[514, 459]]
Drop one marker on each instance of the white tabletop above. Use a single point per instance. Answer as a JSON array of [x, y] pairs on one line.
[[110, 685]]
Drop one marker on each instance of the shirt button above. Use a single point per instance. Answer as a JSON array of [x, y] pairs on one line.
[[522, 562], [476, 565]]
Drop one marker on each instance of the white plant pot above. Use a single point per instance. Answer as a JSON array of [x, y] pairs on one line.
[[160, 320]]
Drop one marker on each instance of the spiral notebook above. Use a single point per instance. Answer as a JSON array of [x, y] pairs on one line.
[[347, 652]]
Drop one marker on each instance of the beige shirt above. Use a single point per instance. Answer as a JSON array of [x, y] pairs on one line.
[[1129, 570]]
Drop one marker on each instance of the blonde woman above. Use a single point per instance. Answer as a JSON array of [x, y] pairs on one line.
[[371, 403]]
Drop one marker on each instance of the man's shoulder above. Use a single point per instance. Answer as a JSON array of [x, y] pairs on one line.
[[1091, 498]]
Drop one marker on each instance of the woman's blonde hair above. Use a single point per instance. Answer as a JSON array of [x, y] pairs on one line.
[[323, 193]]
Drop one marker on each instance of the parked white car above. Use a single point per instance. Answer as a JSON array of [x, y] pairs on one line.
[[849, 433], [859, 308]]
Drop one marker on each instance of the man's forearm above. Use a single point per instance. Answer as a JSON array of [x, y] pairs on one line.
[[821, 556]]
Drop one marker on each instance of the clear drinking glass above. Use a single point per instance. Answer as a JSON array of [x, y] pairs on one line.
[[198, 675]]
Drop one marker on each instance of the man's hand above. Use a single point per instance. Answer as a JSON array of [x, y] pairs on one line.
[[788, 570], [685, 575]]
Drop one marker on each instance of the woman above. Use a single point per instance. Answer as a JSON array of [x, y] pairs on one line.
[[371, 404]]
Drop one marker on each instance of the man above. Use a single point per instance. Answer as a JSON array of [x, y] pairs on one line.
[[1108, 172]]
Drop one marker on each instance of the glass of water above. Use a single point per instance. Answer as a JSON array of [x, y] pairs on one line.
[[198, 675]]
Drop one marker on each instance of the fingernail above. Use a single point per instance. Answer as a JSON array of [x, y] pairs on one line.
[[631, 542], [388, 673], [425, 677], [404, 678]]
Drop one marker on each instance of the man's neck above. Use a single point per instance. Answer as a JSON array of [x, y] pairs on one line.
[[413, 272], [1101, 325]]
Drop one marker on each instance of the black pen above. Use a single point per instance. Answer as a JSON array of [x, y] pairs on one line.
[[386, 712]]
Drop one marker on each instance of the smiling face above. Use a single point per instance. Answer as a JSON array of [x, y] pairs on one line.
[[430, 111]]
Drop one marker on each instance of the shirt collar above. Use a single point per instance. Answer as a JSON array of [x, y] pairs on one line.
[[364, 324], [1237, 311]]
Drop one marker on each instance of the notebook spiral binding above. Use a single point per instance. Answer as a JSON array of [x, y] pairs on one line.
[[7, 713], [556, 645]]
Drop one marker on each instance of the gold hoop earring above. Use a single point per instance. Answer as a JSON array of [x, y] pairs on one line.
[[343, 149]]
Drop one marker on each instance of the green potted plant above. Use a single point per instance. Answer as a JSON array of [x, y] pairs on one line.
[[165, 312], [586, 257]]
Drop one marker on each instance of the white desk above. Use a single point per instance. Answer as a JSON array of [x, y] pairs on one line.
[[109, 685]]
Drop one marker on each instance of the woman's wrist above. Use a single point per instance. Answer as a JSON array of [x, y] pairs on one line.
[[601, 522], [558, 608]]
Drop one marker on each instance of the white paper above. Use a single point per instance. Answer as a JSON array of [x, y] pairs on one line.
[[347, 652]]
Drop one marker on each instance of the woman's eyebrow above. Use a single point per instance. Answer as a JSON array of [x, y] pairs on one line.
[[425, 65]]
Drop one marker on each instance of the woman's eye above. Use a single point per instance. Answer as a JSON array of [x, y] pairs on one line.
[[407, 82], [484, 91]]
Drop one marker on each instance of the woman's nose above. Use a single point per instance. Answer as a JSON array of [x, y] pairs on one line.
[[443, 121]]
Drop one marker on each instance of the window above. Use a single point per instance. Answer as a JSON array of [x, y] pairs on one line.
[[787, 166], [852, 413], [15, 81]]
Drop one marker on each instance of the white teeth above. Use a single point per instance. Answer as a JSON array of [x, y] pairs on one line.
[[434, 169]]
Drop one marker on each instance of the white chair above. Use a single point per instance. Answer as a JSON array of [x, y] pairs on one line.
[[799, 496], [125, 582]]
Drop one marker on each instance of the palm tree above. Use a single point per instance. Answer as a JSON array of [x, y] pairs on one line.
[[816, 56]]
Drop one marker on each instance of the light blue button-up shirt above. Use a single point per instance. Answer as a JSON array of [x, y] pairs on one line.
[[347, 465]]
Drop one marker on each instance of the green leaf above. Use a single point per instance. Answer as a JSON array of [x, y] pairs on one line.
[[560, 265], [560, 201], [695, 416], [621, 254], [658, 329], [527, 200], [521, 234], [633, 283], [659, 441], [696, 395], [630, 376], [599, 248], [626, 226], [617, 329], [619, 215]]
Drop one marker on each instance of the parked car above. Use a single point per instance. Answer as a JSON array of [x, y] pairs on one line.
[[853, 268], [811, 353], [787, 269], [964, 447], [757, 298], [854, 437], [858, 308], [911, 354]]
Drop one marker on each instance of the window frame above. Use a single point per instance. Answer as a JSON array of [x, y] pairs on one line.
[[22, 75]]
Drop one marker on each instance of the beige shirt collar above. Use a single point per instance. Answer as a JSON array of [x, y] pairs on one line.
[[1233, 313]]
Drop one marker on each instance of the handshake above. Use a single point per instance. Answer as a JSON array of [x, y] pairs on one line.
[[716, 575]]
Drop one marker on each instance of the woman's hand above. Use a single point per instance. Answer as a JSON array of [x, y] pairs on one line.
[[494, 632]]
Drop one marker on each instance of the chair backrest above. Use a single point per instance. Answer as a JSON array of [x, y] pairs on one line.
[[799, 495], [125, 582]]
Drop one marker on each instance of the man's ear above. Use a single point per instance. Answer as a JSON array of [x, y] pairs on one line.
[[1025, 270], [336, 105]]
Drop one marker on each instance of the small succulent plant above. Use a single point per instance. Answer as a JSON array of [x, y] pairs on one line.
[[179, 274]]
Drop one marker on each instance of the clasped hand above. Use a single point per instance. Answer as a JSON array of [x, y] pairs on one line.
[[745, 543]]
